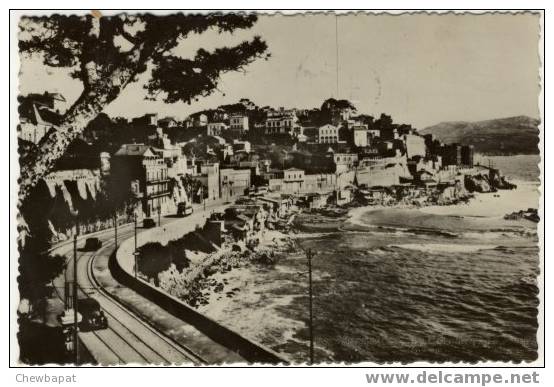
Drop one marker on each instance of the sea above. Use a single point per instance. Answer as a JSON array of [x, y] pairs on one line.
[[437, 284]]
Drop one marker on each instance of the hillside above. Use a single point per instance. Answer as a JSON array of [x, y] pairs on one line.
[[504, 136]]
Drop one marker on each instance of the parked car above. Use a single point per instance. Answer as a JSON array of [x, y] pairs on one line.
[[148, 223], [92, 244], [93, 317], [184, 209]]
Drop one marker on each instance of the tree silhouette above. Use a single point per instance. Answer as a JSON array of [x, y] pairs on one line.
[[108, 53]]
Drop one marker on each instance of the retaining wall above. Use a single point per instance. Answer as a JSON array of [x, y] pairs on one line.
[[122, 268]]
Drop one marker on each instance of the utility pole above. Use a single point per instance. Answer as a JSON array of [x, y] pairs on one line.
[[135, 253], [309, 256], [75, 298], [115, 227], [66, 288], [159, 213]]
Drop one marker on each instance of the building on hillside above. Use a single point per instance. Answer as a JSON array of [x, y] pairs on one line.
[[242, 146], [234, 182], [38, 113], [216, 128], [149, 119], [415, 145], [54, 102], [282, 122], [209, 177], [137, 165], [293, 180], [188, 122], [167, 122], [360, 135], [173, 156], [345, 161], [302, 137], [373, 133], [219, 115], [201, 120], [273, 178], [328, 134], [238, 123], [33, 127]]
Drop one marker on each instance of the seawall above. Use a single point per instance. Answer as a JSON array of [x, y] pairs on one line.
[[122, 268]]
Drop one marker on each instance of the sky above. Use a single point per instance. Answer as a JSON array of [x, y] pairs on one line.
[[421, 69]]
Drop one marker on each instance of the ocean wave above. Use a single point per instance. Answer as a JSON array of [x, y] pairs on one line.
[[443, 247], [308, 235], [433, 232]]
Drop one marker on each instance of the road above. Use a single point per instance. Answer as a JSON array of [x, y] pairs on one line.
[[128, 339]]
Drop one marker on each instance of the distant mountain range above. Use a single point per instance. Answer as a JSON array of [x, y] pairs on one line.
[[503, 136]]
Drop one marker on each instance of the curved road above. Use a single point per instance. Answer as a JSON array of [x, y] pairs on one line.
[[128, 338]]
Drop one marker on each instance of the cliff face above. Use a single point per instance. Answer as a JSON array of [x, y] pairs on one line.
[[504, 136]]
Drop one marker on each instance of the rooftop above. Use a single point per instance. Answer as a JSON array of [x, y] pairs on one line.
[[134, 150]]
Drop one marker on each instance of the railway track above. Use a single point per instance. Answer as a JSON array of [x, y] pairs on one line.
[[128, 339]]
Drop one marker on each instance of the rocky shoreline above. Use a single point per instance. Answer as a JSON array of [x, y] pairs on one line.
[[206, 279], [197, 284]]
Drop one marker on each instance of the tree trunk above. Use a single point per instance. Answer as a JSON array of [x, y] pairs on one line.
[[101, 89], [52, 147]]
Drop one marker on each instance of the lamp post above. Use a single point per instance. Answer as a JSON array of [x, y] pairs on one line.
[[309, 255]]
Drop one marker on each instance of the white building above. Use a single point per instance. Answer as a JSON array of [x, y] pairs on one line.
[[238, 122], [345, 161], [33, 128], [282, 122], [415, 145], [359, 134], [216, 128], [293, 180], [201, 120], [328, 134]]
